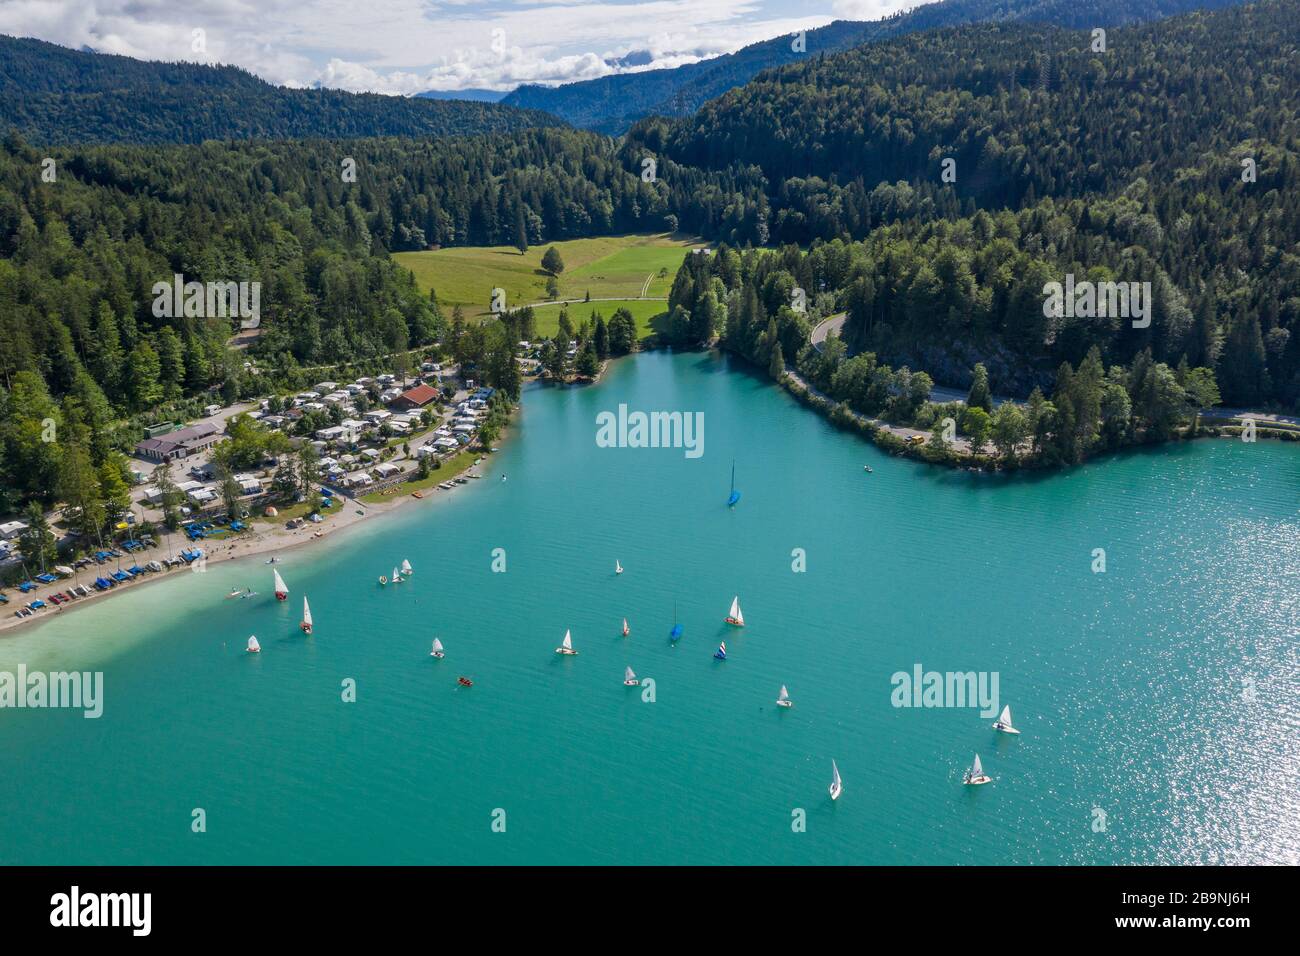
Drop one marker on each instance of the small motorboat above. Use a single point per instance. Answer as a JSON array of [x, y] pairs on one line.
[[630, 679], [1003, 723], [626, 629], [383, 580], [272, 560], [464, 682], [253, 646], [866, 468], [837, 785], [566, 647], [976, 775], [503, 477], [437, 650], [248, 594], [783, 699]]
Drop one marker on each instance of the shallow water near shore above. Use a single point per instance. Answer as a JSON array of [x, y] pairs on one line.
[[1158, 701]]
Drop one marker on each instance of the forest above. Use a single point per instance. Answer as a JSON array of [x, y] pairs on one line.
[[611, 104], [1169, 159], [53, 95]]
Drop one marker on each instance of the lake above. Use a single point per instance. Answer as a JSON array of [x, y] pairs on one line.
[[1157, 700]]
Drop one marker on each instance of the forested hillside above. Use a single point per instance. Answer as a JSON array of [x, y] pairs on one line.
[[54, 95], [614, 103], [1140, 149], [1169, 159]]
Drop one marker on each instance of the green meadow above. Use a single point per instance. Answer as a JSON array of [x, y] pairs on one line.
[[650, 315], [619, 267]]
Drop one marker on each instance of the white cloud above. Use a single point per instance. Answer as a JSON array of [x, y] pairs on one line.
[[405, 46], [872, 9]]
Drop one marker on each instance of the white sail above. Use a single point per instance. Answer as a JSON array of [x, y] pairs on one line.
[[735, 614], [629, 675], [280, 587], [1005, 716], [835, 775], [977, 769], [406, 567], [306, 612], [437, 646], [567, 644], [618, 568], [253, 645], [785, 695]]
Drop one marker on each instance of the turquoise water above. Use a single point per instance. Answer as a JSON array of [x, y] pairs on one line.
[[1132, 687]]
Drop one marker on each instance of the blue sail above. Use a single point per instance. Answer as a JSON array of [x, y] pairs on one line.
[[721, 652], [676, 632], [735, 495]]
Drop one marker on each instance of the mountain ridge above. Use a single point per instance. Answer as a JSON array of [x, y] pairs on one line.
[[55, 95]]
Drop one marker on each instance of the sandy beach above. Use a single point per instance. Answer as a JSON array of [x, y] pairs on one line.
[[263, 539]]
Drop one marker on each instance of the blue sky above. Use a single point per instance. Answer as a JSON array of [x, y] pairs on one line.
[[406, 46]]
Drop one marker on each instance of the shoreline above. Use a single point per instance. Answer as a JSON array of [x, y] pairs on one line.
[[892, 439], [273, 539]]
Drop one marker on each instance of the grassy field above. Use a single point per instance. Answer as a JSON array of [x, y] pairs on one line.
[[607, 267], [452, 467], [650, 315]]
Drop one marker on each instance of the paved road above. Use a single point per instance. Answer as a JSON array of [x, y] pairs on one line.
[[825, 327], [1284, 420]]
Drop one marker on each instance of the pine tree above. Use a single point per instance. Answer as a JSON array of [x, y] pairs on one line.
[[979, 396]]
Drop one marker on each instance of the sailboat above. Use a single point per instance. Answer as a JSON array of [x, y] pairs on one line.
[[618, 568], [783, 699], [1003, 723], [437, 650], [629, 678], [281, 589], [253, 646], [397, 577], [626, 629], [976, 775], [721, 652], [566, 647], [306, 616], [735, 495], [407, 569], [837, 785], [675, 634], [734, 616]]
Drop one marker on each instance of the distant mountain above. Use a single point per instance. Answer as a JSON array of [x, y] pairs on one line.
[[55, 95], [471, 95], [611, 104]]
